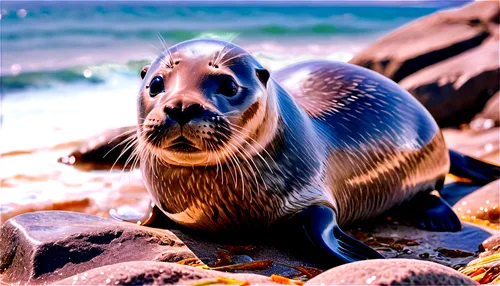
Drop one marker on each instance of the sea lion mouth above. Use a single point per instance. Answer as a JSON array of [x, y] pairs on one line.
[[182, 144]]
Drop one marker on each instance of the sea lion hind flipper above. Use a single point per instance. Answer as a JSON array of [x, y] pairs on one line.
[[473, 169], [152, 217], [430, 212], [318, 225]]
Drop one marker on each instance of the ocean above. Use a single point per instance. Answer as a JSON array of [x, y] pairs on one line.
[[71, 69]]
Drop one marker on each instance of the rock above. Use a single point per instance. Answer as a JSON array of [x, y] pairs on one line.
[[491, 244], [449, 60], [431, 39], [43, 247], [103, 150], [456, 89], [489, 117], [483, 145], [489, 247], [158, 273], [395, 240], [481, 206], [391, 272]]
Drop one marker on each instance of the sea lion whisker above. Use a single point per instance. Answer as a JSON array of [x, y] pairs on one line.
[[136, 156], [122, 134], [129, 138], [253, 140], [235, 133], [229, 112], [218, 152], [151, 157], [211, 151], [142, 148], [239, 150], [136, 160], [133, 156], [229, 154], [236, 163], [129, 145], [233, 164], [219, 55], [165, 46], [170, 57], [126, 141], [219, 164], [216, 55], [246, 156], [219, 161], [161, 52], [231, 58]]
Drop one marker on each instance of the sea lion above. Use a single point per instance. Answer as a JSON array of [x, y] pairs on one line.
[[224, 146]]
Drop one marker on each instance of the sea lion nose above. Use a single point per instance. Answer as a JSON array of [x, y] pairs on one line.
[[182, 113]]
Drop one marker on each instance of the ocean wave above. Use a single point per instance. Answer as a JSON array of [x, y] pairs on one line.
[[107, 72], [91, 74], [65, 37], [185, 34]]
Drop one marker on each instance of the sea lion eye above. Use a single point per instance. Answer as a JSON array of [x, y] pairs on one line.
[[227, 87], [156, 86]]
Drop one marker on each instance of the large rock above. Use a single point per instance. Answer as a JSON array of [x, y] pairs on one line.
[[449, 60], [483, 145], [489, 117], [391, 272], [42, 247], [458, 88], [430, 40], [481, 206], [157, 273], [490, 245]]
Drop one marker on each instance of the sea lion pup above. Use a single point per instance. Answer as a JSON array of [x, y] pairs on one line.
[[223, 146]]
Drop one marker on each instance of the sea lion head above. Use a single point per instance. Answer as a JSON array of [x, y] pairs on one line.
[[202, 102]]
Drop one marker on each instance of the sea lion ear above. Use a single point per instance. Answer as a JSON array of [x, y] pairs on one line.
[[263, 75], [144, 71]]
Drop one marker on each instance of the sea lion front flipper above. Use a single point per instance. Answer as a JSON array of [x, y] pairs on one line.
[[319, 226], [430, 212], [152, 217]]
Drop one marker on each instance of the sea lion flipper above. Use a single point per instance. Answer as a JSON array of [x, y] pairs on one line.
[[473, 169], [152, 215], [319, 226], [430, 212]]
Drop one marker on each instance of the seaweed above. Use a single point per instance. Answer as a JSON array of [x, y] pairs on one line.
[[454, 253], [254, 265], [285, 281], [484, 270]]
